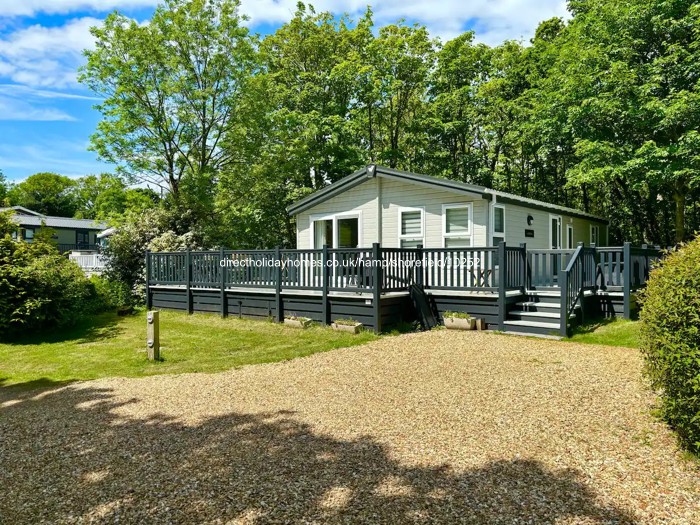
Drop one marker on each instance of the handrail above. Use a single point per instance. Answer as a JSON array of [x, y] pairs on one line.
[[575, 279]]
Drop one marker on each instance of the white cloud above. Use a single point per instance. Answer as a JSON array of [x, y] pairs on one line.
[[46, 56], [494, 20], [17, 109], [32, 7]]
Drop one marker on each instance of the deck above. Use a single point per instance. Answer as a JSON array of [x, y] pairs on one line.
[[512, 287]]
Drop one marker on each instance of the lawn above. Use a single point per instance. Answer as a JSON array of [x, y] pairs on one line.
[[617, 332], [108, 346]]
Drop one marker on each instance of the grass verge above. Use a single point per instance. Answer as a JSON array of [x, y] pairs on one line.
[[108, 346], [611, 332]]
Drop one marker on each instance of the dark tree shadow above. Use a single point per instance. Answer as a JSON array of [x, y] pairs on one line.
[[95, 328], [68, 455]]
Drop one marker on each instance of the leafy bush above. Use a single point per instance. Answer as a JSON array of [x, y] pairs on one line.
[[39, 288], [670, 335], [153, 230]]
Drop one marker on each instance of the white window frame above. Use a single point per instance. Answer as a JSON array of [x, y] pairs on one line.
[[560, 231], [401, 237], [596, 228], [494, 233], [357, 214], [569, 235], [460, 235]]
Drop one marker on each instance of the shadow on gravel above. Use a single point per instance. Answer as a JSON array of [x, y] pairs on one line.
[[66, 456]]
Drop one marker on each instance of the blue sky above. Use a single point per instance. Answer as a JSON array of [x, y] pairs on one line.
[[46, 117]]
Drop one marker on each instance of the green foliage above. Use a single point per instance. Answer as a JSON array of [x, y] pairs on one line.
[[46, 193], [4, 189], [157, 230], [39, 288], [600, 113], [670, 337], [171, 89], [107, 197], [458, 315]]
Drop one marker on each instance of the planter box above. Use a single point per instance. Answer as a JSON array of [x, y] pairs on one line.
[[298, 323], [459, 323], [481, 324], [352, 328]]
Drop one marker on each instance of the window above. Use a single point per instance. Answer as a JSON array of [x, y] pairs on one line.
[[28, 234], [499, 224], [410, 227], [82, 238], [595, 234], [336, 231], [456, 229], [570, 236]]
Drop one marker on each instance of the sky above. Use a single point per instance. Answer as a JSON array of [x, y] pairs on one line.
[[47, 117]]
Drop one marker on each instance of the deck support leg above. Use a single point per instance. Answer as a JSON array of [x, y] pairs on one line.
[[222, 271], [279, 308], [627, 280], [377, 287], [325, 313], [188, 280], [502, 273]]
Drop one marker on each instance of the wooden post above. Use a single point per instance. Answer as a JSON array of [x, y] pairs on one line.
[[279, 317], [377, 288], [149, 300], [222, 281], [188, 280], [325, 269], [153, 335], [418, 268], [627, 280], [564, 304], [502, 271], [523, 267]]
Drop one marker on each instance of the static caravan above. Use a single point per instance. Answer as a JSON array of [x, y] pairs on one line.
[[403, 210]]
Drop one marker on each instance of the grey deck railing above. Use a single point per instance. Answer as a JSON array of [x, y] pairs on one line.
[[379, 270]]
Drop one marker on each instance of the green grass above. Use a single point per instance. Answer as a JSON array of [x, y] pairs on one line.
[[108, 346], [617, 332]]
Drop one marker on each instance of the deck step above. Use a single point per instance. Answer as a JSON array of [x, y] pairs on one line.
[[533, 324], [544, 293], [547, 315], [535, 306]]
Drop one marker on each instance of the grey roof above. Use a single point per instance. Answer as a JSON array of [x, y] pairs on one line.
[[372, 171], [26, 217]]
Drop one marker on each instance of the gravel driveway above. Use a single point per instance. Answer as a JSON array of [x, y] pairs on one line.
[[437, 427]]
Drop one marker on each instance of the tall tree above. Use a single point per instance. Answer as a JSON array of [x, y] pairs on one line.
[[46, 193], [630, 71], [171, 88]]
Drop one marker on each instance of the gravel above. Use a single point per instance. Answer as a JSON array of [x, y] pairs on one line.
[[440, 427]]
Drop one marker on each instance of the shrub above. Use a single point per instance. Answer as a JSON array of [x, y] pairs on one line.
[[39, 288], [670, 336], [151, 230]]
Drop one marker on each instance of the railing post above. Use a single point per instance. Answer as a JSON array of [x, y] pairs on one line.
[[222, 281], [188, 280], [377, 288], [149, 300], [564, 308], [523, 267], [502, 271], [627, 280], [418, 268], [278, 285], [324, 285]]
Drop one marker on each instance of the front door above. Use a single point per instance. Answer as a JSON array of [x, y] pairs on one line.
[[82, 239], [555, 232]]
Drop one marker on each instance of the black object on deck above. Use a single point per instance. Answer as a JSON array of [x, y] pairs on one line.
[[421, 303]]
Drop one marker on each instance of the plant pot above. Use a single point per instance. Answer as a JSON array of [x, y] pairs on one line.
[[481, 324], [301, 322], [352, 328], [460, 323]]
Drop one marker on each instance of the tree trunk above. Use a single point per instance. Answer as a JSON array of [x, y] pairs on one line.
[[679, 199]]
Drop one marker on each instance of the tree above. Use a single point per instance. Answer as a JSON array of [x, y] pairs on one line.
[[46, 193], [106, 197], [171, 90], [629, 71], [4, 189]]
